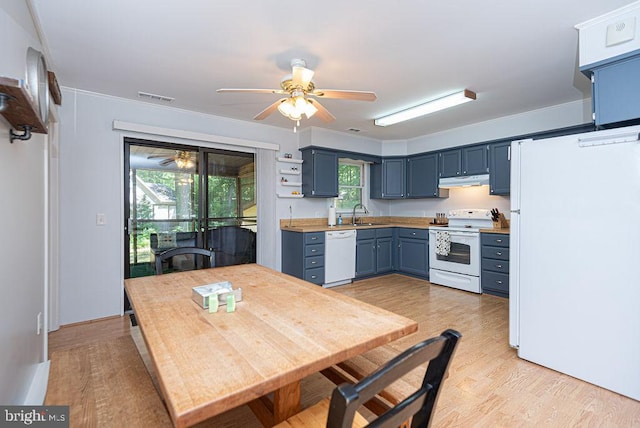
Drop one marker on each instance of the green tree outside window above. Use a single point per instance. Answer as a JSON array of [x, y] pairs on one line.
[[350, 185]]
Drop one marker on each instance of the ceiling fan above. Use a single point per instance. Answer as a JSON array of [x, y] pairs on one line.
[[182, 159], [300, 95]]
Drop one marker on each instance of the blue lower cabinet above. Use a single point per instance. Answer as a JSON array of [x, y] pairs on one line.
[[384, 255], [365, 257], [413, 251], [303, 255], [494, 275], [374, 252]]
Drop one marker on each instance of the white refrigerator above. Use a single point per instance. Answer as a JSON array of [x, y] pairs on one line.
[[574, 296]]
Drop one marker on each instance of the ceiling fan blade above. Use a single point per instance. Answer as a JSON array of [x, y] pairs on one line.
[[345, 95], [322, 113], [301, 76], [266, 112], [156, 156], [166, 162], [253, 91]]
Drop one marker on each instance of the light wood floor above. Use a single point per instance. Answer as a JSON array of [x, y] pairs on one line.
[[488, 386]]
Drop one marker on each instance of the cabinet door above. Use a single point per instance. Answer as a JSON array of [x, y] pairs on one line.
[[365, 257], [388, 179], [475, 160], [384, 255], [500, 168], [616, 90], [450, 163], [393, 178], [412, 256], [319, 173], [422, 176]]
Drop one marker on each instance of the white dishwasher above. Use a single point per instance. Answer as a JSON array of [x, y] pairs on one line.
[[339, 257]]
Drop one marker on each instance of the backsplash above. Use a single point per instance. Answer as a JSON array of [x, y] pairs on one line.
[[459, 198]]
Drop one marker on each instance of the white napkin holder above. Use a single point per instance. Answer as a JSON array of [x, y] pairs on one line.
[[201, 294]]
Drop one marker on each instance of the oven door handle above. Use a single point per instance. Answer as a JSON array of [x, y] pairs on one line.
[[464, 234]]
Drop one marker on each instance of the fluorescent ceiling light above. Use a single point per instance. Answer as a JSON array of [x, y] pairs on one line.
[[427, 108]]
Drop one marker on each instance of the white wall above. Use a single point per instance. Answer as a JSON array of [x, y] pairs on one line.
[[91, 182], [22, 253]]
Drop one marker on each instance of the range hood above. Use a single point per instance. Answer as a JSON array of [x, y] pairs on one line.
[[469, 180]]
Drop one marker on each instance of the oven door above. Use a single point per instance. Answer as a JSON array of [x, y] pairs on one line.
[[464, 255]]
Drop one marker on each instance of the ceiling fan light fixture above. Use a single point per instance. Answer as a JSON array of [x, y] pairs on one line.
[[289, 109], [293, 108], [309, 109], [183, 160], [427, 108]]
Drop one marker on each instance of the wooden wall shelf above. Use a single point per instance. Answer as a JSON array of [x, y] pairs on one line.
[[54, 88], [21, 109]]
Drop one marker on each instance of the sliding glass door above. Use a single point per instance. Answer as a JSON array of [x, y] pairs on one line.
[[179, 196]]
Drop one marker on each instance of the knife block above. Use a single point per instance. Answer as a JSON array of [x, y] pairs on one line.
[[501, 223]]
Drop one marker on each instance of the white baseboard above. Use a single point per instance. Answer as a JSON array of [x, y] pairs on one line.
[[38, 389]]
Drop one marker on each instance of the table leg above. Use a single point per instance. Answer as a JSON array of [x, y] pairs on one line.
[[286, 403]]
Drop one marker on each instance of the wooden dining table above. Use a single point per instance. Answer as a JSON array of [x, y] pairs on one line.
[[283, 330]]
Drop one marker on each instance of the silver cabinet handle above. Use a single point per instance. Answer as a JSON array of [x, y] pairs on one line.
[[499, 282], [499, 253], [313, 238], [499, 241], [313, 251], [313, 276], [499, 266], [413, 233], [313, 263]]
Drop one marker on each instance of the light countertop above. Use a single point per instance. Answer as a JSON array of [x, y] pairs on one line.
[[320, 224]]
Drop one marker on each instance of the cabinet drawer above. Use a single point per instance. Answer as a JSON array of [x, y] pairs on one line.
[[365, 234], [384, 233], [495, 281], [500, 253], [313, 262], [315, 275], [404, 232], [314, 237], [313, 250], [495, 265], [495, 239]]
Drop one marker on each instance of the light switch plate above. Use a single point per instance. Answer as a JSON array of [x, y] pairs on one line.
[[101, 219], [621, 31]]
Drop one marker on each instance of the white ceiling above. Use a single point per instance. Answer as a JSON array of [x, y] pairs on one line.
[[516, 55]]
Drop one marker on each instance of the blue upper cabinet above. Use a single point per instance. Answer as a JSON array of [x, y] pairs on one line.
[[500, 168], [471, 160], [475, 160], [450, 163], [319, 173], [388, 179], [616, 91], [422, 177]]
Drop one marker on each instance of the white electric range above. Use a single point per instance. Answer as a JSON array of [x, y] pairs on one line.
[[454, 250]]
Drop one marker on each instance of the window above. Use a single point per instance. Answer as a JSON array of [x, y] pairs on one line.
[[351, 185]]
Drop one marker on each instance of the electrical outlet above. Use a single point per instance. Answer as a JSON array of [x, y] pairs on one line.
[[39, 323]]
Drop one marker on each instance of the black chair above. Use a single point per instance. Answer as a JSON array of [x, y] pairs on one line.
[[208, 258], [418, 406]]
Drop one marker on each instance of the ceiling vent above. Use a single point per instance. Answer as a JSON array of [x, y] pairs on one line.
[[155, 97]]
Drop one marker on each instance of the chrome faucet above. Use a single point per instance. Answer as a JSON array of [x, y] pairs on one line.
[[353, 217]]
